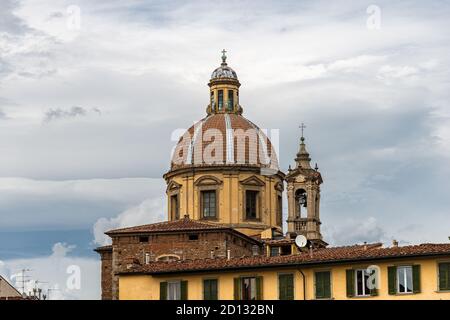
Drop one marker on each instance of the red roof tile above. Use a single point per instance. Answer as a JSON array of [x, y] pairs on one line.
[[319, 256], [185, 224]]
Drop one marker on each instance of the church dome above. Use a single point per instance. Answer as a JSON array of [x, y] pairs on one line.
[[224, 139], [224, 72]]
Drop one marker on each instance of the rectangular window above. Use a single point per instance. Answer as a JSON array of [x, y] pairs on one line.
[[210, 289], [174, 208], [174, 290], [285, 250], [209, 204], [274, 251], [286, 286], [249, 288], [444, 276], [361, 278], [404, 279], [220, 97], [193, 237], [251, 202], [230, 100], [143, 239], [323, 285]]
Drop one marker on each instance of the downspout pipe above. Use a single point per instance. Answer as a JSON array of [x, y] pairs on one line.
[[304, 283]]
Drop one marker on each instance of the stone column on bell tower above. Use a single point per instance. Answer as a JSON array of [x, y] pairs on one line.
[[303, 188]]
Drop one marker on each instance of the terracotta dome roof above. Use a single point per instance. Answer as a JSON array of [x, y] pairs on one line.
[[224, 139]]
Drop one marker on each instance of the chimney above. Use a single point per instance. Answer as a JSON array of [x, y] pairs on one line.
[[365, 245], [228, 254], [212, 254], [395, 243]]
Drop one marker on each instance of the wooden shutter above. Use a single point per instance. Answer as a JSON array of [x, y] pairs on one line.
[[416, 278], [163, 291], [327, 285], [286, 286], [184, 290], [350, 275], [206, 290], [392, 280], [323, 285], [319, 285], [374, 291], [259, 288], [237, 288], [444, 276], [214, 290], [210, 289]]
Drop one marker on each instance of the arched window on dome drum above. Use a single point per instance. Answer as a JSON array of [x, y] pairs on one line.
[[212, 100], [251, 204], [230, 104], [209, 204], [220, 98]]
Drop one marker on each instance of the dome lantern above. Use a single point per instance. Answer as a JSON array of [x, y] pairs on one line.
[[224, 89]]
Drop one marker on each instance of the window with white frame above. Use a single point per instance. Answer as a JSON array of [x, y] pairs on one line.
[[361, 281], [174, 290], [404, 279]]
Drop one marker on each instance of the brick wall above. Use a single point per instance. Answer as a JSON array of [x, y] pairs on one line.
[[107, 273], [132, 249]]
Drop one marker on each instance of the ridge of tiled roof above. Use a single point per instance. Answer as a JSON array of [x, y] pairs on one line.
[[325, 255], [184, 224]]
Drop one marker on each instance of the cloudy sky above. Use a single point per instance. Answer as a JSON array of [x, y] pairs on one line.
[[94, 93]]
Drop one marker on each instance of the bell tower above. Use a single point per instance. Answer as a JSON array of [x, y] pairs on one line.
[[303, 188]]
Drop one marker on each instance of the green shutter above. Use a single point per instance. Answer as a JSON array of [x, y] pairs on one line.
[[206, 290], [374, 291], [163, 291], [323, 285], [184, 290], [327, 285], [416, 278], [350, 273], [237, 288], [210, 289], [215, 290], [286, 286], [282, 287], [319, 285], [392, 280], [259, 288], [444, 276]]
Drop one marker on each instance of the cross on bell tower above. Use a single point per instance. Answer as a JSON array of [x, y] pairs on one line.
[[303, 188]]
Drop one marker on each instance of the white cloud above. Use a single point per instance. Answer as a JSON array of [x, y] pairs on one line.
[[149, 211], [71, 204], [356, 231], [53, 272]]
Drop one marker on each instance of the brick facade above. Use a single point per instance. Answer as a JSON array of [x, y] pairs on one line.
[[129, 250]]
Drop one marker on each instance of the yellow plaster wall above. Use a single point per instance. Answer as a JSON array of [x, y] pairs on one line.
[[137, 287], [231, 200]]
